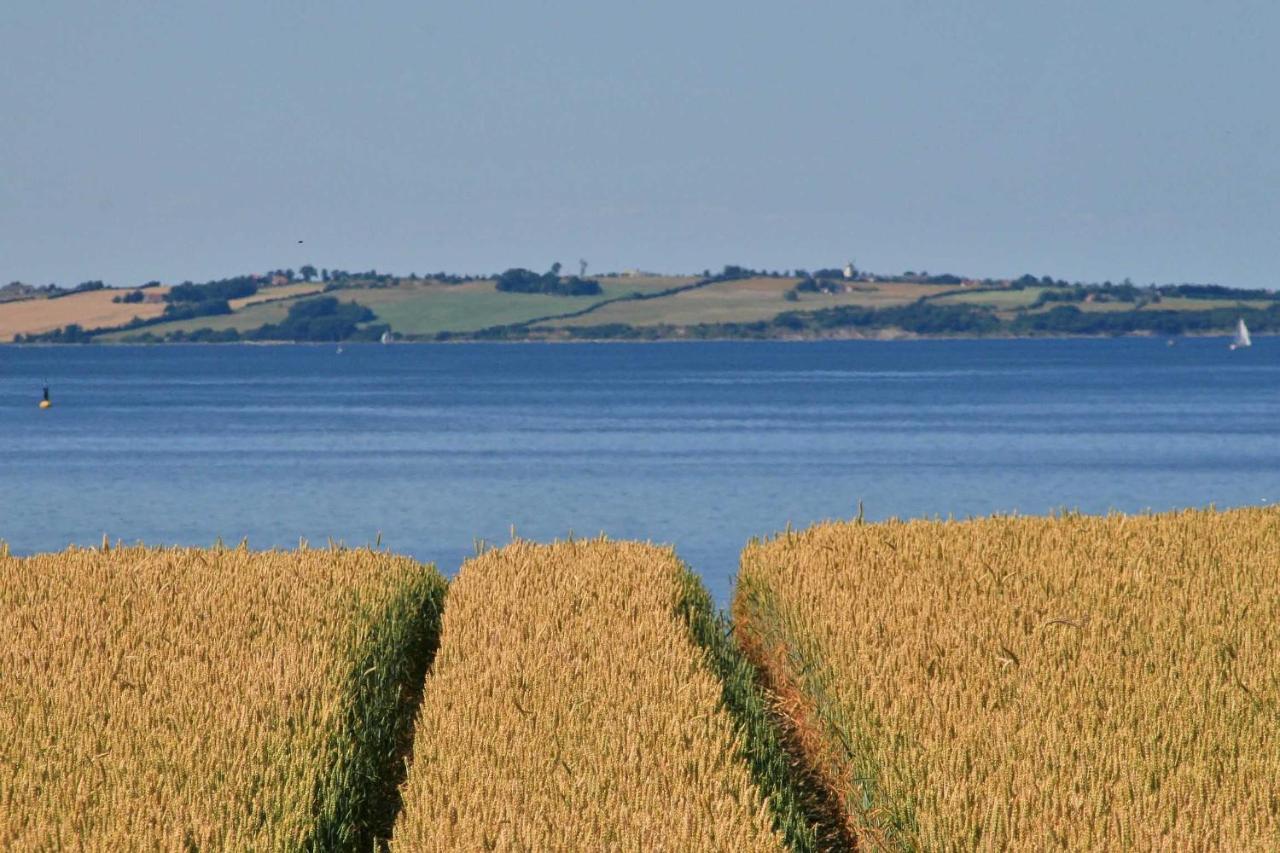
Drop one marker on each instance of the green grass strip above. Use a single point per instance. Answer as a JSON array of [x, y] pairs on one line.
[[356, 803], [892, 825], [799, 804]]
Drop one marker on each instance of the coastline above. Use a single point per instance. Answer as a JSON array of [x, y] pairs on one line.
[[892, 337]]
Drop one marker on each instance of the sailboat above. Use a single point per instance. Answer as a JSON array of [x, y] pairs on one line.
[[386, 337], [1242, 338]]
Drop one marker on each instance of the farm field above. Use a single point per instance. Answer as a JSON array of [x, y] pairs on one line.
[[423, 308], [1000, 300], [569, 709], [428, 308], [217, 699], [1011, 300], [283, 291], [91, 310], [1168, 303], [250, 317], [1182, 303], [413, 307], [743, 301], [1031, 683]]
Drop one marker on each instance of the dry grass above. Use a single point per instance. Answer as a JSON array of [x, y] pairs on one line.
[[206, 699], [1089, 683], [91, 310], [569, 709]]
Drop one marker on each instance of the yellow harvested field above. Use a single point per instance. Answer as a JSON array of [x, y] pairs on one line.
[[569, 709], [271, 294], [1084, 683], [220, 699], [91, 310]]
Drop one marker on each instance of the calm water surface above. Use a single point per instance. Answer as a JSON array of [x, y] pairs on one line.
[[702, 445]]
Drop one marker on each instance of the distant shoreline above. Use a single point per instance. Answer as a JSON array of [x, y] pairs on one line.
[[887, 338], [736, 304]]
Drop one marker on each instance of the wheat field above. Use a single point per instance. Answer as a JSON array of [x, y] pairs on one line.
[[569, 709], [217, 699], [1085, 683], [91, 310]]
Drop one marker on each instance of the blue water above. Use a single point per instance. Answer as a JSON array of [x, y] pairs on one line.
[[702, 445]]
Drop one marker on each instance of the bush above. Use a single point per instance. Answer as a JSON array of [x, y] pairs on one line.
[[221, 290], [72, 334], [191, 310]]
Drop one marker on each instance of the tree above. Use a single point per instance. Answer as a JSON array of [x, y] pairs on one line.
[[520, 280], [321, 319], [307, 272]]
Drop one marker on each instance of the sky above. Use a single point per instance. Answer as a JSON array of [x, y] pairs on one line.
[[1083, 140]]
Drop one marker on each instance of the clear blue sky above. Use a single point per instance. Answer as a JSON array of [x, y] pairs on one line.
[[1086, 140]]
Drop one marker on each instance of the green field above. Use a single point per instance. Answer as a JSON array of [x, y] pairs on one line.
[[428, 308], [1000, 300], [424, 308]]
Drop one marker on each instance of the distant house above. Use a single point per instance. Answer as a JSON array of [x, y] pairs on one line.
[[150, 297], [278, 280]]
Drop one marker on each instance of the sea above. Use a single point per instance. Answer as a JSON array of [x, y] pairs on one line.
[[435, 450]]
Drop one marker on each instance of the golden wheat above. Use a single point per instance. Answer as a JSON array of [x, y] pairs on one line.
[[202, 699], [1090, 683], [90, 310], [569, 709]]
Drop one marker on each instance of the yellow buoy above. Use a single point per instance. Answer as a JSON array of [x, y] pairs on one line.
[[44, 404]]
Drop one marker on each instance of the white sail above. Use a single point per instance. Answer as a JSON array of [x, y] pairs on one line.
[[386, 337], [1242, 338]]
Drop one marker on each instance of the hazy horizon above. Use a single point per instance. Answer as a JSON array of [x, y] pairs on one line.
[[1088, 143]]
